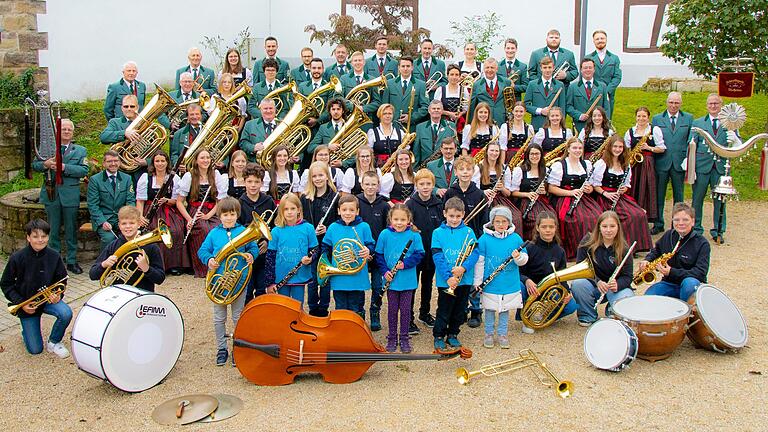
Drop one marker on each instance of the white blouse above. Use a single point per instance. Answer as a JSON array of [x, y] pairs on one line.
[[388, 183], [142, 186], [599, 172], [295, 184], [348, 181], [539, 137], [465, 138], [592, 134], [658, 137], [556, 173], [476, 176], [392, 136], [222, 184], [337, 179]]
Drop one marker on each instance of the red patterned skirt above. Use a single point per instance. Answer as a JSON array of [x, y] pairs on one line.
[[199, 231], [644, 185], [529, 223], [634, 222], [573, 228], [177, 256]]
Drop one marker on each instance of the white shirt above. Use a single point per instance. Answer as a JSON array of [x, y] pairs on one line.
[[539, 137], [601, 54], [295, 185], [465, 138], [142, 186], [592, 133], [490, 83], [556, 173], [658, 137], [476, 177], [222, 184], [599, 173]]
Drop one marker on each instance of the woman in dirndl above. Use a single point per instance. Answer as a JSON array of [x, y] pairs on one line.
[[281, 177], [363, 163], [387, 136], [651, 140], [518, 131], [398, 184], [595, 132], [526, 186], [481, 131], [488, 173], [568, 181], [553, 133]]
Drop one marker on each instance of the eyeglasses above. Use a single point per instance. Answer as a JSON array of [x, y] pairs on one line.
[[129, 106]]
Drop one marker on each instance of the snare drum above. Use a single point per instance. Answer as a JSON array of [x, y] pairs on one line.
[[127, 336], [658, 321], [716, 322], [610, 344]]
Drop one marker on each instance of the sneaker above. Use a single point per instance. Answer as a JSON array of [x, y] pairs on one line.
[[488, 341], [453, 341], [221, 357], [413, 330], [57, 348], [584, 323], [440, 344], [475, 319], [528, 330], [233, 359], [391, 344], [504, 342], [375, 321], [405, 344], [428, 320]]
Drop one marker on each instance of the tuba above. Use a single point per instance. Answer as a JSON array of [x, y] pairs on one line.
[[350, 137], [225, 285], [333, 84], [125, 270], [291, 131], [276, 93], [153, 134], [217, 135], [178, 113], [43, 296], [359, 94], [542, 310], [345, 260]]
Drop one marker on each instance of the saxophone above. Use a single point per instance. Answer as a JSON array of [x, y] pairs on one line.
[[648, 275], [636, 154], [390, 163], [517, 159]]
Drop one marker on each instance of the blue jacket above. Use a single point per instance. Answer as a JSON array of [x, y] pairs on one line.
[[217, 239], [388, 250], [357, 229], [446, 245], [288, 246], [495, 249]]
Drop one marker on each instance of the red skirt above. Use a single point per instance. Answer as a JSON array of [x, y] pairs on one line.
[[573, 228], [177, 256], [529, 223], [634, 222], [199, 231], [644, 186], [517, 215]]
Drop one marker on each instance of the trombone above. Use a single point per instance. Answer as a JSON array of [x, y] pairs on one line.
[[526, 358], [434, 81]]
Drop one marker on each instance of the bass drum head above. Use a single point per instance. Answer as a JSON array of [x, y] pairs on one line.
[[721, 316], [142, 343], [610, 345], [651, 308]]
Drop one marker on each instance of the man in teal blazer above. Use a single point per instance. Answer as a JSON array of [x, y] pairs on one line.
[[607, 67], [108, 191], [431, 133], [336, 110], [585, 92], [128, 84], [541, 92], [398, 94], [64, 205], [558, 54], [283, 69], [511, 66], [444, 168], [185, 136], [381, 63], [316, 82], [117, 131], [202, 77], [490, 89], [301, 72], [257, 130], [266, 86], [341, 67], [426, 65], [675, 125], [185, 93], [356, 77]]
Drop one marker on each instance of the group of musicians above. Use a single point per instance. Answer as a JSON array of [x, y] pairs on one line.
[[470, 134]]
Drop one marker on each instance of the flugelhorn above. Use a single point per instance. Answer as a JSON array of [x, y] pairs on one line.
[[466, 250], [543, 309], [125, 270], [44, 295]]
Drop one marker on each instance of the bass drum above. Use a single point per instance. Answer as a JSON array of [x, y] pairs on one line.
[[716, 323], [659, 323], [128, 337], [610, 345]]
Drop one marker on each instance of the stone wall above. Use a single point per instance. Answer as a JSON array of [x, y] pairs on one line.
[[21, 41], [11, 143]]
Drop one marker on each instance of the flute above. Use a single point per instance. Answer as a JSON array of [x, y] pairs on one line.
[[197, 214], [616, 272], [327, 212]]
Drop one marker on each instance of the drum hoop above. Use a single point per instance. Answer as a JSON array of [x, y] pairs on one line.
[[627, 355], [695, 309], [627, 319]]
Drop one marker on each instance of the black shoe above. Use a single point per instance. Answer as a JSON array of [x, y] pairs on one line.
[[657, 230], [413, 330], [428, 320], [175, 272], [221, 357], [475, 320], [375, 321], [74, 268]]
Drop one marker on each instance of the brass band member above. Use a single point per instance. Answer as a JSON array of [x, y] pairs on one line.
[[487, 176], [225, 89], [469, 64], [387, 136], [301, 72], [526, 185], [108, 191], [281, 178], [336, 173], [518, 131], [351, 183], [430, 133], [204, 77], [281, 66], [127, 85], [553, 133], [595, 131], [643, 188], [482, 130], [234, 66], [607, 67], [510, 65], [450, 94], [398, 185]]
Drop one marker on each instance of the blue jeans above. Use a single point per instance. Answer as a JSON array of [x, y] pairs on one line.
[[30, 326], [295, 292], [376, 288], [350, 300], [490, 318], [683, 291], [585, 293], [569, 308]]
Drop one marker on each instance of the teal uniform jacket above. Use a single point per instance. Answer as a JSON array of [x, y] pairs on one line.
[[480, 94], [704, 162], [676, 141], [563, 55], [283, 70], [180, 139], [299, 75], [334, 70], [115, 130], [116, 91], [104, 203], [438, 169], [208, 81], [435, 65], [349, 81], [259, 91], [521, 83], [394, 95], [427, 143], [307, 87], [323, 136], [372, 66], [577, 102], [68, 193], [609, 73], [535, 98], [253, 133]]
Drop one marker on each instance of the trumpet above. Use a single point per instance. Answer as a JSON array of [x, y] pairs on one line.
[[268, 215], [466, 250], [44, 295], [563, 68], [526, 358], [434, 81]]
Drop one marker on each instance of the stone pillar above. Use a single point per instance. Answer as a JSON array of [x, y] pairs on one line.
[[20, 39], [11, 143]]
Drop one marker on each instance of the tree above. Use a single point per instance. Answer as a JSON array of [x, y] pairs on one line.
[[387, 18], [706, 32], [482, 30], [218, 47]]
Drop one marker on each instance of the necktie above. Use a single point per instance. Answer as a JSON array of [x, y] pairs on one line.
[[434, 133], [186, 96], [672, 121], [552, 55], [359, 80], [490, 84], [546, 88], [113, 182], [194, 73], [589, 89], [448, 172], [133, 90], [714, 126], [315, 84], [381, 63], [336, 127], [269, 87], [405, 86], [63, 149], [268, 127], [306, 72], [509, 69], [341, 69]]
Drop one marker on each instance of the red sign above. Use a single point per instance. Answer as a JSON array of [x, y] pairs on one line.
[[736, 84]]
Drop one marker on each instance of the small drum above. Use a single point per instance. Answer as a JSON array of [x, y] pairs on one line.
[[716, 323], [610, 344], [127, 336], [659, 323]]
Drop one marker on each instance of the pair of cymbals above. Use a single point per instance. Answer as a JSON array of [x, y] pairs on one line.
[[192, 408]]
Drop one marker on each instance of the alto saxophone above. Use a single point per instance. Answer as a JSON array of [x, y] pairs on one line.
[[648, 274]]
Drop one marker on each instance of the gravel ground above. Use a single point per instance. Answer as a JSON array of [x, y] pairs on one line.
[[692, 390]]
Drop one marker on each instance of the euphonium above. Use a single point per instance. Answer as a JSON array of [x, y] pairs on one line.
[[291, 131], [333, 84], [345, 260], [276, 93], [226, 284], [125, 270], [542, 310], [359, 94], [41, 297], [153, 134], [350, 137], [178, 113], [217, 134]]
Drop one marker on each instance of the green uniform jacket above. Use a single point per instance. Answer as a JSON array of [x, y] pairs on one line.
[[521, 83], [253, 133], [372, 66], [258, 92], [535, 98], [348, 82], [704, 162], [577, 102], [323, 136], [534, 69], [68, 193], [395, 96], [180, 139], [307, 87], [116, 91], [178, 96], [608, 72], [480, 94], [115, 130], [425, 145], [103, 202], [437, 168], [333, 70], [435, 65], [283, 69], [298, 74], [209, 78], [676, 141]]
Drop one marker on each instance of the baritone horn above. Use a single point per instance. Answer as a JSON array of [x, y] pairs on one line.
[[345, 256], [350, 137], [360, 95], [276, 94], [125, 270], [291, 131], [542, 310], [333, 84]]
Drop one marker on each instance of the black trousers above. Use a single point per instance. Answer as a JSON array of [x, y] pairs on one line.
[[426, 273], [451, 311]]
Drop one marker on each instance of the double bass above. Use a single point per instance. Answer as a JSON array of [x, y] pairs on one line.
[[275, 340]]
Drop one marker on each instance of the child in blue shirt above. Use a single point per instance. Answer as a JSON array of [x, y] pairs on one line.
[[349, 289], [293, 241], [390, 246], [228, 210], [498, 242], [448, 241]]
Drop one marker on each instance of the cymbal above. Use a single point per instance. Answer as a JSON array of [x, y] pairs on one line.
[[229, 406], [195, 407]]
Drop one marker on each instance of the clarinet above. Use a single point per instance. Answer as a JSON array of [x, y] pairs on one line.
[[292, 272], [499, 269], [623, 179], [575, 202], [197, 214], [538, 185], [165, 188], [394, 268]]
